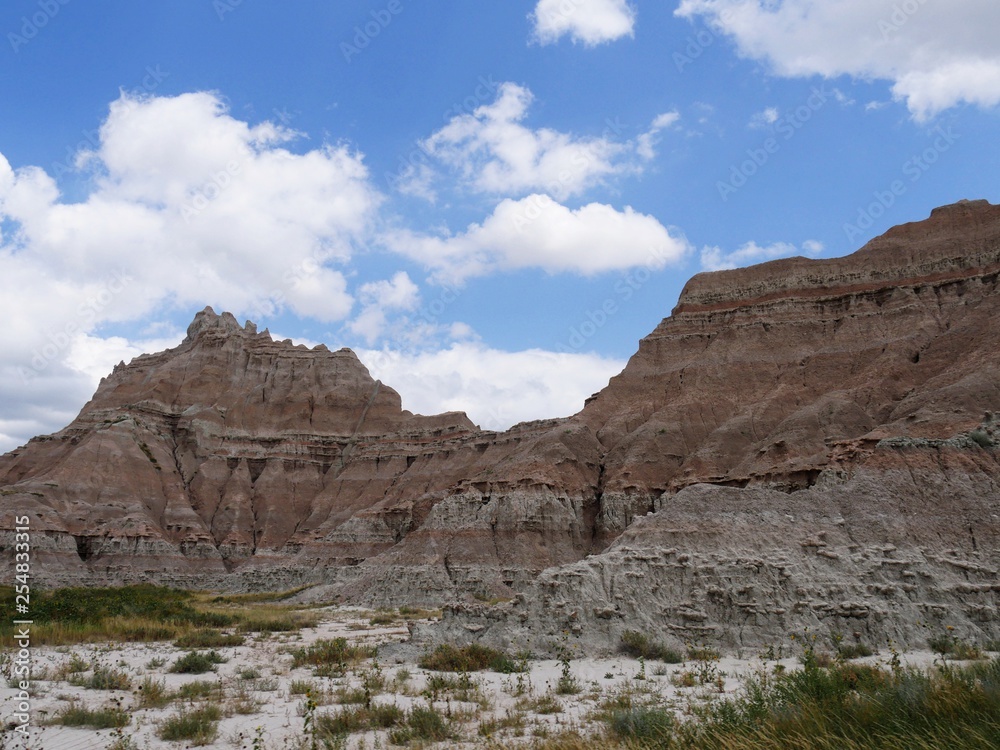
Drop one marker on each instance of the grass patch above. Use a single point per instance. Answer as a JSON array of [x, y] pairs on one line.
[[197, 662], [422, 723], [636, 644], [75, 715], [330, 658], [200, 689], [359, 719], [102, 678], [854, 651], [210, 638], [471, 658], [152, 693], [200, 726]]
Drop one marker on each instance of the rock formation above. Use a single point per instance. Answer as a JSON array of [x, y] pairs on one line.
[[801, 443]]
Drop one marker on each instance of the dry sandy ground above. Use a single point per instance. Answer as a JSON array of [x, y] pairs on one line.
[[278, 721]]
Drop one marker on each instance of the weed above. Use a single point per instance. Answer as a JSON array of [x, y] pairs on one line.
[[197, 662], [636, 644], [198, 725], [75, 715], [208, 639], [471, 658]]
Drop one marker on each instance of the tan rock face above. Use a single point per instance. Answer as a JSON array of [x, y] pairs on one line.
[[786, 425]]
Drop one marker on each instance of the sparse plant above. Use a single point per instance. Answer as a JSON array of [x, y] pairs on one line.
[[197, 662], [198, 725]]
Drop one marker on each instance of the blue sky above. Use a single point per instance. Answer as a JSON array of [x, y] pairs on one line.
[[490, 202]]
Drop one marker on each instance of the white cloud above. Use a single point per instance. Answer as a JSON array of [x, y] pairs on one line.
[[936, 54], [765, 117], [590, 22], [495, 153], [714, 259], [495, 388], [538, 232], [380, 297], [187, 206], [646, 143]]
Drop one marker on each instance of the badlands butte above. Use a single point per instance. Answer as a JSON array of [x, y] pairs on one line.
[[803, 443]]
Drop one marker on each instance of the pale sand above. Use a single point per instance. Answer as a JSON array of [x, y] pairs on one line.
[[279, 719]]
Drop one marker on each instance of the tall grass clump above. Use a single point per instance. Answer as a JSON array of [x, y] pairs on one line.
[[200, 726], [330, 658], [471, 658], [636, 644]]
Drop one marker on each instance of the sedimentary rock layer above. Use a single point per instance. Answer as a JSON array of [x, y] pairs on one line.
[[800, 442]]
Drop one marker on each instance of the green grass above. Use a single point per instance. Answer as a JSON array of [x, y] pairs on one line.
[[331, 657], [197, 662], [75, 715], [472, 658], [636, 644], [144, 613], [102, 678], [422, 723], [200, 726], [359, 719], [210, 638]]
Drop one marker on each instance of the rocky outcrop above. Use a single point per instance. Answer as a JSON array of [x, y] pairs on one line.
[[804, 442]]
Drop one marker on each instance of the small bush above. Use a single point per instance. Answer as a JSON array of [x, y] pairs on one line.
[[331, 657], [208, 639], [76, 715], [981, 438], [103, 678], [854, 651], [152, 693], [422, 723], [471, 658], [636, 644], [190, 691], [360, 719], [197, 662], [642, 724], [199, 725]]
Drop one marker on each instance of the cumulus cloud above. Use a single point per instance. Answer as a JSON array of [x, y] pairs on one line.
[[494, 152], [715, 259], [187, 206], [646, 142], [538, 232], [590, 22], [495, 388], [379, 298], [936, 55]]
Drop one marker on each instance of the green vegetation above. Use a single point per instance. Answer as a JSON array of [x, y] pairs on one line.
[[636, 645], [146, 613], [422, 723], [471, 658], [359, 719], [199, 725], [840, 707], [330, 658], [197, 662], [75, 715], [102, 678], [210, 638]]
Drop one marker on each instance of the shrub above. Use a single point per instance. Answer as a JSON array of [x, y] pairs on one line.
[[103, 678], [208, 639], [199, 725], [422, 723], [197, 662], [854, 651], [152, 693], [196, 689], [75, 715], [642, 724], [471, 658], [331, 657], [636, 644]]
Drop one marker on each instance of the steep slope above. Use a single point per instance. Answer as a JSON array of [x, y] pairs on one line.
[[811, 437]]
